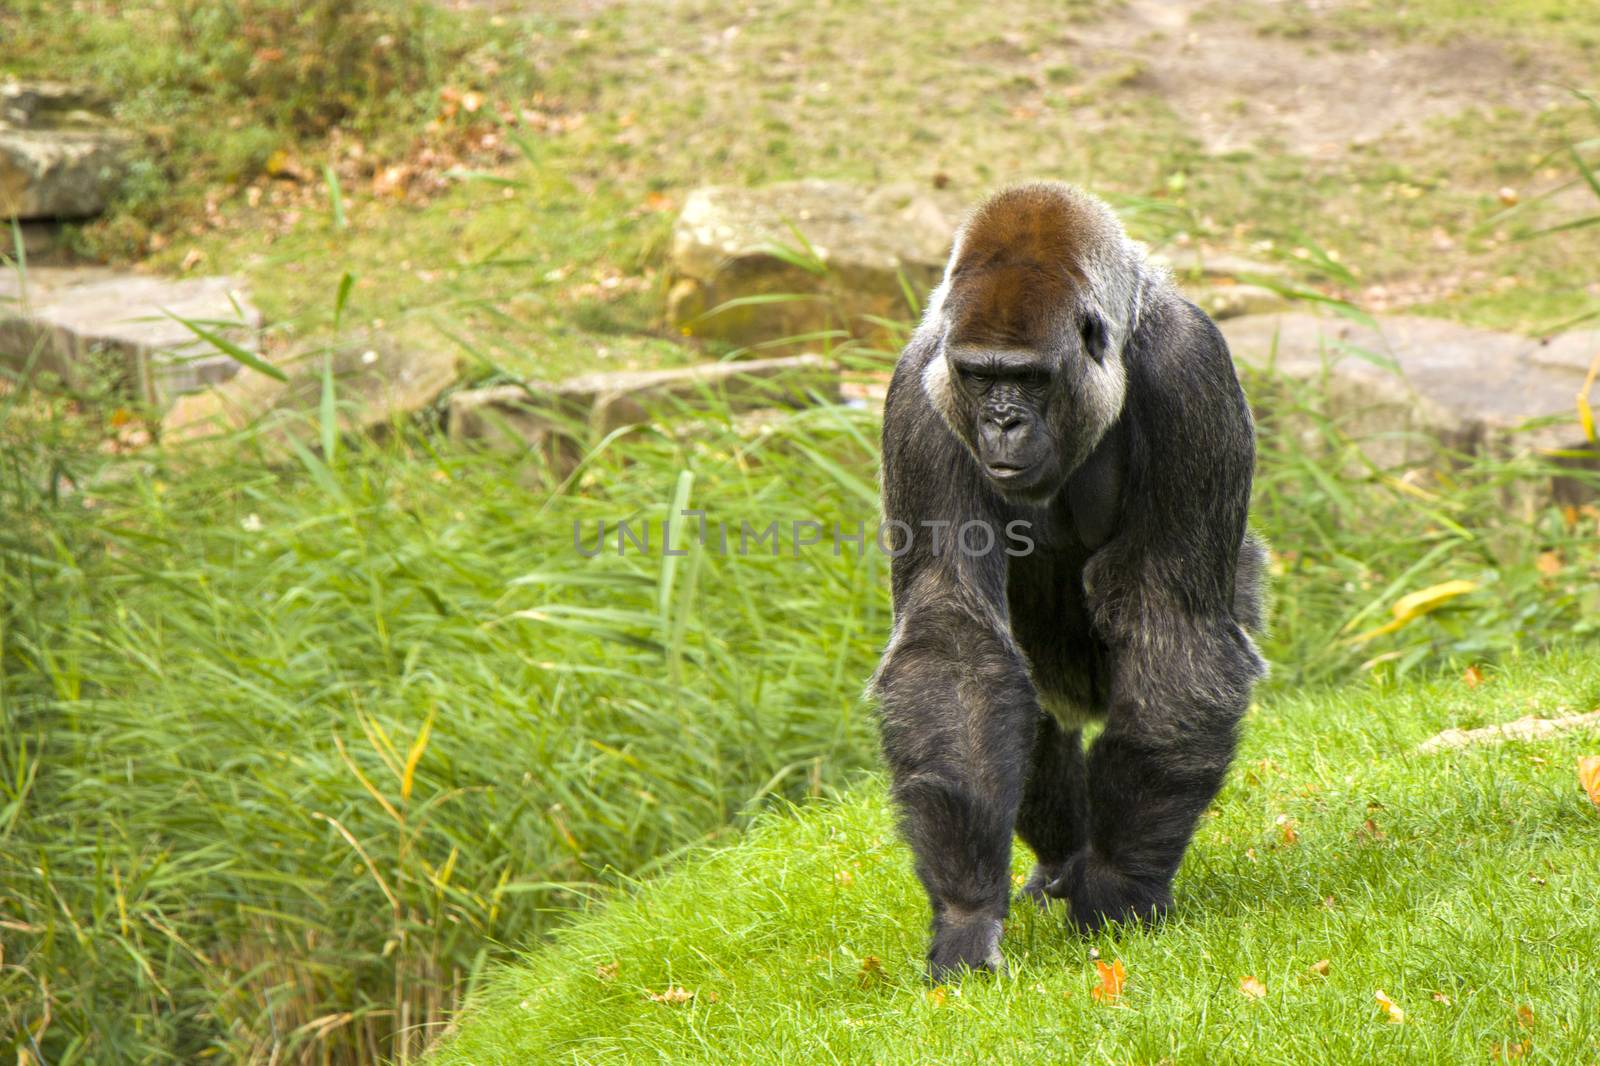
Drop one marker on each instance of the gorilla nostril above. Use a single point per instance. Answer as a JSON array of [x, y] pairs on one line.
[[1007, 422]]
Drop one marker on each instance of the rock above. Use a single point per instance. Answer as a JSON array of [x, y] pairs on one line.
[[90, 325], [732, 243], [559, 418], [58, 157], [1224, 285], [48, 103], [1413, 380], [1233, 301], [377, 381], [1190, 265], [59, 173]]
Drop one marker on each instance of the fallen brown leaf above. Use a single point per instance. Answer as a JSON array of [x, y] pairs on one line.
[[1589, 777], [1472, 677], [1391, 1009], [938, 995], [1525, 1016], [1548, 563], [871, 971], [1320, 967], [1287, 830], [1440, 997], [607, 971], [673, 994], [1112, 978], [1505, 1050], [1251, 987]]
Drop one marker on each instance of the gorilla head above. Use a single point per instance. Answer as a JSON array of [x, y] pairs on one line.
[[1032, 317]]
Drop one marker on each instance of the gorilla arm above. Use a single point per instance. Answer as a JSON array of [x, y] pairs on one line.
[[957, 708]]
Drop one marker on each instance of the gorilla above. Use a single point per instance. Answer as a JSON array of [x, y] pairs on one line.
[[1059, 384]]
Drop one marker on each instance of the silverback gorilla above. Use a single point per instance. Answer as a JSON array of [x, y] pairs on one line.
[[1057, 379]]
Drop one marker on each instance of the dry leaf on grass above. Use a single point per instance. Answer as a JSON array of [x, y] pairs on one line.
[[1589, 777], [871, 971], [1472, 677], [1391, 1010], [607, 971], [938, 996], [1320, 967], [1112, 978], [1440, 997], [1525, 1016], [673, 994], [1251, 987]]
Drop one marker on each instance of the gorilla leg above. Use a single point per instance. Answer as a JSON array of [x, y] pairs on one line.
[[1054, 817], [1170, 736], [957, 710]]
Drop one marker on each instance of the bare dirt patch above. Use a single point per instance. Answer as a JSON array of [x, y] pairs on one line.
[[1239, 83]]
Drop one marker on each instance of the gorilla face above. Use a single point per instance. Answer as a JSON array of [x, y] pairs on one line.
[[1031, 416], [1007, 395]]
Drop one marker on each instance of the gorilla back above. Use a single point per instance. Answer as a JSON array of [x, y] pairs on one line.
[[1067, 457]]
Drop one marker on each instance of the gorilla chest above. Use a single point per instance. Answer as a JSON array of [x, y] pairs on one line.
[[1050, 622]]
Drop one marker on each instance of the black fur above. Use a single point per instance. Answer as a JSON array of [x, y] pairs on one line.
[[1131, 607]]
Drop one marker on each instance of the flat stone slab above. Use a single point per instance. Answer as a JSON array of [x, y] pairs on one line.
[[48, 103], [804, 256], [80, 324], [378, 380], [1413, 379], [556, 417]]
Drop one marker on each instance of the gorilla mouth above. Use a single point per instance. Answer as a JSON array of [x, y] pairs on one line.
[[1008, 471]]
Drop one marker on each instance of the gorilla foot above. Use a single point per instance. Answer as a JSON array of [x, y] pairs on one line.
[[1099, 894], [971, 943], [1037, 888]]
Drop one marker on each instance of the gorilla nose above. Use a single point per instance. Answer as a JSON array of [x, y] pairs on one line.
[[1007, 422]]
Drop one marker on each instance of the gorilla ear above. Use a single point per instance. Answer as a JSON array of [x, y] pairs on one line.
[[1095, 340]]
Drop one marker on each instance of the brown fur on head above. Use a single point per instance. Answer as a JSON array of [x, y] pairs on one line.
[[1042, 284], [1022, 257]]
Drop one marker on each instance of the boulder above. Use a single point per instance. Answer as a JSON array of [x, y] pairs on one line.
[[1405, 383], [559, 418], [58, 157], [377, 381], [800, 257], [92, 325], [1234, 301], [1225, 285]]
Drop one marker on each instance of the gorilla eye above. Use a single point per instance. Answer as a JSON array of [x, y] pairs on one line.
[[973, 379], [1095, 341], [1034, 377]]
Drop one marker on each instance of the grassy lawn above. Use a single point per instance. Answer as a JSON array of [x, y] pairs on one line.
[[1459, 884]]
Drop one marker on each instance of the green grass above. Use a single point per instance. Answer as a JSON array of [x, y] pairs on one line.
[[1460, 884]]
